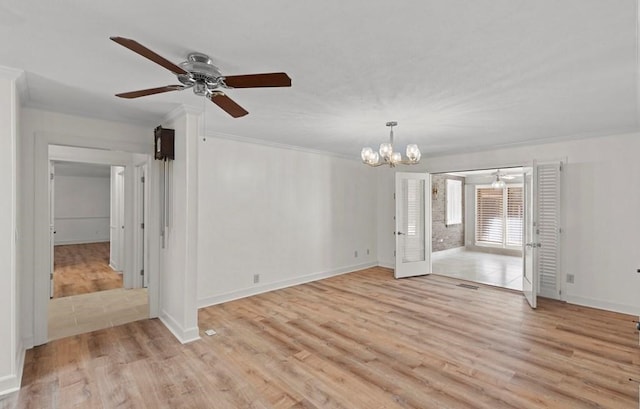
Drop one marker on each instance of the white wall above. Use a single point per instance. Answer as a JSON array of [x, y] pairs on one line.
[[81, 209], [11, 348], [600, 199], [288, 215]]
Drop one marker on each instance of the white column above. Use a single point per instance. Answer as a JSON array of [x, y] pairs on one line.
[[178, 270], [11, 350]]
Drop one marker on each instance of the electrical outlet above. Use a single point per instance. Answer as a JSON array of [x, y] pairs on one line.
[[256, 278], [570, 278], [355, 253]]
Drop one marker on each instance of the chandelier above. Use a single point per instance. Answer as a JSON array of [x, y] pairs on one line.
[[388, 156]]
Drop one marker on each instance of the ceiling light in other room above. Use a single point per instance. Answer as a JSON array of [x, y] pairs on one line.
[[387, 156], [498, 183]]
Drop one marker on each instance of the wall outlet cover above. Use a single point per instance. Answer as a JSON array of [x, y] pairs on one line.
[[570, 278]]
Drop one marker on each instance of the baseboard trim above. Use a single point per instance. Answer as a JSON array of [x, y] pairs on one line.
[[11, 383], [247, 292], [603, 305], [183, 335], [90, 241], [386, 264]]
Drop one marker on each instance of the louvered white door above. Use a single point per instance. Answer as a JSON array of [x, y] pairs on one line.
[[413, 225], [548, 204]]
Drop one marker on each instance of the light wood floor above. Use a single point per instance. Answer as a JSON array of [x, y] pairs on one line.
[[361, 340], [82, 269]]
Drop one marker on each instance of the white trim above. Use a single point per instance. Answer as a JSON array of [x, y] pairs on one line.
[[387, 264], [9, 73], [602, 305], [247, 292], [90, 241], [11, 383], [271, 144], [131, 152], [183, 335], [180, 111]]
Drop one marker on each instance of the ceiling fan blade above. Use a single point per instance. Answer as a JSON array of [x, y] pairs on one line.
[[136, 47], [275, 79], [150, 91], [228, 105]]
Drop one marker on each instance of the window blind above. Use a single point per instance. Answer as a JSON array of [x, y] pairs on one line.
[[454, 202], [413, 221], [489, 215], [515, 215]]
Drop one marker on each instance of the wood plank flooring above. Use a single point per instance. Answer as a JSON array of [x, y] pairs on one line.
[[360, 340], [82, 269]]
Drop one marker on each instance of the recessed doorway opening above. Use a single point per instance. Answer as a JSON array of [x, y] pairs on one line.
[[477, 226]]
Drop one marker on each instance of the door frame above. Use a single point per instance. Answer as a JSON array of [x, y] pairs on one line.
[[106, 152]]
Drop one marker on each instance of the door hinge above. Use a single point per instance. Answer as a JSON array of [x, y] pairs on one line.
[[50, 176], [559, 229], [559, 292], [142, 225], [394, 253], [50, 276], [561, 166], [394, 196], [142, 179], [141, 272]]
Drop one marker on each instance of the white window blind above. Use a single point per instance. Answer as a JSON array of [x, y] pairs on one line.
[[515, 215], [499, 215], [454, 202], [489, 215], [413, 221]]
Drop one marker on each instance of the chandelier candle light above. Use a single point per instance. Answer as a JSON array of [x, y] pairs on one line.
[[388, 156]]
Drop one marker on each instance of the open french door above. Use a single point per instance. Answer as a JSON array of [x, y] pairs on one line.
[[530, 278], [413, 224]]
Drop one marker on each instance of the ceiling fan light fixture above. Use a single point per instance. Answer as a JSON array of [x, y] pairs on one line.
[[386, 155], [498, 183]]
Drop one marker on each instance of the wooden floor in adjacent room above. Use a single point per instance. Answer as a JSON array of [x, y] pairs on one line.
[[360, 340], [83, 268]]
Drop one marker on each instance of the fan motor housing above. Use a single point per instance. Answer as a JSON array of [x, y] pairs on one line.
[[203, 75]]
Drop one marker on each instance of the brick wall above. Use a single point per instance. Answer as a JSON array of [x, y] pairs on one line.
[[444, 237]]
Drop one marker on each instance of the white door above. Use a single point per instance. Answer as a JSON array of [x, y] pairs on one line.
[[413, 225], [530, 243], [52, 227]]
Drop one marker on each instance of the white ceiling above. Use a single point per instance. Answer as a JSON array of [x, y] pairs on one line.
[[456, 75]]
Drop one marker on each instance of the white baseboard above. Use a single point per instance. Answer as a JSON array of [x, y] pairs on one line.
[[246, 292], [387, 264], [89, 241], [603, 305], [11, 383], [183, 335]]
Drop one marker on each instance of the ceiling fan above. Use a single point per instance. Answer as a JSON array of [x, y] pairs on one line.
[[501, 175], [199, 73]]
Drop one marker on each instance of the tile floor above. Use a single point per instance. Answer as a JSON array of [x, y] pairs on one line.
[[492, 269], [82, 313]]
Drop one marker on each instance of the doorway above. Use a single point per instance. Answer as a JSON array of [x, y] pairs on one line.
[[92, 209], [477, 226], [81, 202]]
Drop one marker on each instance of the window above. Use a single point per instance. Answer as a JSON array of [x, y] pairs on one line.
[[499, 216], [454, 202]]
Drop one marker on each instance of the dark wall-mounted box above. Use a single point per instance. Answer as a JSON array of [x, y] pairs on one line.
[[164, 143]]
